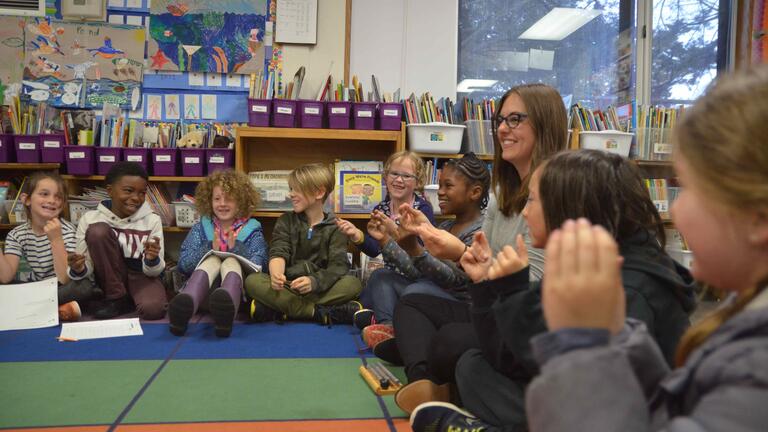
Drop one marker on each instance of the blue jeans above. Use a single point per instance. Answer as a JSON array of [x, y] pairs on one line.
[[386, 286]]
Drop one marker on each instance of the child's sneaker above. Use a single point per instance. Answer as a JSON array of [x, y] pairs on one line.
[[259, 312], [421, 391], [377, 333], [112, 308], [70, 312], [340, 314], [363, 318], [442, 416]]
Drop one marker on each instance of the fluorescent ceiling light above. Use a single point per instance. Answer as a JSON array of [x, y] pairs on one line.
[[470, 85], [559, 23]]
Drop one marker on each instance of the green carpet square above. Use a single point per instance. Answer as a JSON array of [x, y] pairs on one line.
[[69, 393]]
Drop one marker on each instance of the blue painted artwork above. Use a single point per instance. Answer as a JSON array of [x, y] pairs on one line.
[[225, 36], [83, 65]]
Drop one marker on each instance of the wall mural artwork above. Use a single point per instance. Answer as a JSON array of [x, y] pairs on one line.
[[11, 51], [224, 36], [83, 64]]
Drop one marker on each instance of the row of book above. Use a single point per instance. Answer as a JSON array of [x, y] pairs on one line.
[[425, 109], [663, 192], [586, 119], [653, 135], [482, 110]]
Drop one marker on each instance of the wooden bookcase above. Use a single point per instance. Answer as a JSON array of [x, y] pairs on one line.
[[261, 148]]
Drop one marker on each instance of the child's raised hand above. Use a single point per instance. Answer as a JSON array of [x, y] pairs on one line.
[[350, 230], [76, 262], [582, 280], [52, 229], [410, 218], [509, 261], [277, 281], [302, 285], [476, 260], [151, 248], [377, 228]]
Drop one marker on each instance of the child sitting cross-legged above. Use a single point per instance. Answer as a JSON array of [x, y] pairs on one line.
[[225, 200], [307, 259]]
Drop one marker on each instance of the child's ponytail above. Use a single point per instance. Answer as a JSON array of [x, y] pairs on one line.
[[701, 331]]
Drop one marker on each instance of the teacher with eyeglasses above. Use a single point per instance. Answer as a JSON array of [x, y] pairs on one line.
[[529, 126]]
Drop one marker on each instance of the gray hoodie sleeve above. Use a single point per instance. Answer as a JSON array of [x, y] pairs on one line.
[[607, 388]]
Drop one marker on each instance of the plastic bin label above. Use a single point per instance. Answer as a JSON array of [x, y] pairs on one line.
[[662, 148], [611, 144], [51, 144], [77, 155], [436, 137], [662, 206], [134, 158], [106, 158], [338, 110], [26, 146], [192, 160], [391, 113], [284, 110], [365, 114], [216, 159], [312, 110], [259, 108], [163, 158]]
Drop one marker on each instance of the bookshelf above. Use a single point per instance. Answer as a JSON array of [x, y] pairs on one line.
[[29, 166], [264, 148], [153, 179], [452, 156]]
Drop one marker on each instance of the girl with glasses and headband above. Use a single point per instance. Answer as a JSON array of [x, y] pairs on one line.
[[404, 175]]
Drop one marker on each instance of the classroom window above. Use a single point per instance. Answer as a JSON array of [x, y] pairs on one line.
[[686, 48], [594, 60]]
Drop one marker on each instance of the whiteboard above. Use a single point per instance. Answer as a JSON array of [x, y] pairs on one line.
[[296, 21], [407, 44]]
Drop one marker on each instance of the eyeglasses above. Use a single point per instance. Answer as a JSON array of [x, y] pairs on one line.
[[405, 177], [512, 120]]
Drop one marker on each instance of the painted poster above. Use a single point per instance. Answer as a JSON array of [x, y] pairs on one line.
[[224, 36], [70, 64], [11, 50]]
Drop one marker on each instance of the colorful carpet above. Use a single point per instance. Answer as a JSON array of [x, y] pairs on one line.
[[265, 377]]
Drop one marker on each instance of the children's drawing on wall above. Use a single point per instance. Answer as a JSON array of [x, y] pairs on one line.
[[172, 107], [102, 62], [209, 106], [11, 51], [191, 107], [223, 36], [154, 108]]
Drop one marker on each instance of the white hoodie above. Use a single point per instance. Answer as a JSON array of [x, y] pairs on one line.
[[131, 233]]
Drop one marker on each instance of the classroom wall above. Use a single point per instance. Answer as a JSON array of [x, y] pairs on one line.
[[410, 44], [331, 21]]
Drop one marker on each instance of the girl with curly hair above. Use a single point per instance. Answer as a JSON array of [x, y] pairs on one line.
[[225, 201]]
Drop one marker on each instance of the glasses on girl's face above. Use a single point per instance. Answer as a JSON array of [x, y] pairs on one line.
[[404, 176], [512, 120]]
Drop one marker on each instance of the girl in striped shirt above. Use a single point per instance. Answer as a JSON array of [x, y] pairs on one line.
[[44, 242]]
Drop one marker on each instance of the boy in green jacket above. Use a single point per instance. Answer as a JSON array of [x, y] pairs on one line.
[[307, 259]]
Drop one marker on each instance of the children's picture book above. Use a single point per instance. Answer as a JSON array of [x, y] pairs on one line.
[[247, 265], [273, 189], [360, 191]]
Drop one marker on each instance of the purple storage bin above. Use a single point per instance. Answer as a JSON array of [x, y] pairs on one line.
[[364, 114], [52, 148], [258, 112], [192, 162], [137, 154], [284, 113], [27, 148], [339, 115], [164, 162], [311, 114], [6, 148], [106, 157], [219, 158], [390, 115], [79, 160]]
